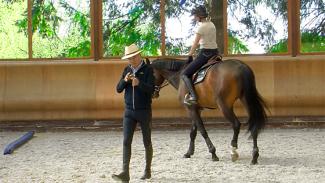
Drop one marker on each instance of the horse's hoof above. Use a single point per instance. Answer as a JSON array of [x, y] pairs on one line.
[[215, 157], [255, 156], [254, 162], [233, 153], [234, 157], [187, 155]]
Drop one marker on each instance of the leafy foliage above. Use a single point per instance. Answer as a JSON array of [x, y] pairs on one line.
[[138, 21], [81, 49], [176, 47], [13, 44], [133, 26], [123, 28], [313, 16], [312, 13], [280, 47], [310, 42], [46, 24], [255, 26], [235, 45]]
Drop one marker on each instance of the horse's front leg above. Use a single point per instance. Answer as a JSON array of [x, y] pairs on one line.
[[255, 152], [199, 123], [191, 148]]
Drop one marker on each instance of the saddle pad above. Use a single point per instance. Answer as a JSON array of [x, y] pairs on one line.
[[199, 76]]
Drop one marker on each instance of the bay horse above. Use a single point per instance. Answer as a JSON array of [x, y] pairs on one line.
[[224, 83]]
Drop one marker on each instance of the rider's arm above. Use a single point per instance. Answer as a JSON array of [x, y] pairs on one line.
[[195, 44]]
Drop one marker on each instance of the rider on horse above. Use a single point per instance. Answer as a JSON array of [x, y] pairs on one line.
[[205, 37]]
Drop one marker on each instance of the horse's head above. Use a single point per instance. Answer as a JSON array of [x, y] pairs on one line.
[[166, 71], [159, 80]]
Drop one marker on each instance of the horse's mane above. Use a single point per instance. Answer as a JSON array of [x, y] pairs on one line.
[[170, 64]]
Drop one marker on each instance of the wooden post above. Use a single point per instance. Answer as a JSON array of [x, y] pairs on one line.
[[163, 28], [96, 29], [29, 29], [294, 27]]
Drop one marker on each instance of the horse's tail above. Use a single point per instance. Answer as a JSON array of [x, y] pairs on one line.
[[255, 104]]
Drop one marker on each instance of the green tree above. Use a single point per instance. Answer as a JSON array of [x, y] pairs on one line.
[[134, 26], [311, 42], [312, 12], [46, 21], [236, 46], [13, 44], [139, 21]]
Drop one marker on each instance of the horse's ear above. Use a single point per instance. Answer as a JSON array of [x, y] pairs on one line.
[[147, 61]]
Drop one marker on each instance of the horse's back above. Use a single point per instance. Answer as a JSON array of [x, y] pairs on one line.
[[234, 64], [228, 68]]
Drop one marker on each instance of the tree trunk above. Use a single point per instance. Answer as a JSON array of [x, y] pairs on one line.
[[216, 13]]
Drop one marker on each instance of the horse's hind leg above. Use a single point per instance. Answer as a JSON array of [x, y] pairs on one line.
[[191, 148], [199, 123], [229, 114], [254, 135]]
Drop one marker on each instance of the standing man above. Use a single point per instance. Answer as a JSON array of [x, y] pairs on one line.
[[137, 81]]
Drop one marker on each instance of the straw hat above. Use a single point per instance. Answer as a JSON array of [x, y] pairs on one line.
[[131, 51]]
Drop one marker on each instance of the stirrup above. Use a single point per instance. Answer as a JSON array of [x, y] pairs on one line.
[[189, 100]]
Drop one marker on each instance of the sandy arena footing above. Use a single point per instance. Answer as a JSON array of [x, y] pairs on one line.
[[286, 155]]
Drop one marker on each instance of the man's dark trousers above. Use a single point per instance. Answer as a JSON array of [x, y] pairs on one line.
[[131, 118]]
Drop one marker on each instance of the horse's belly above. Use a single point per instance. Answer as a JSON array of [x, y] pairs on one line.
[[207, 104]]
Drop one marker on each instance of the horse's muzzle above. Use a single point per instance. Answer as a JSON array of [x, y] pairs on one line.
[[155, 94]]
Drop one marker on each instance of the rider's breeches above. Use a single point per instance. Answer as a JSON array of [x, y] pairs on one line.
[[201, 59]]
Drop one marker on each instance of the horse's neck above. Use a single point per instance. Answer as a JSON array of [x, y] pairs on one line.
[[172, 78]]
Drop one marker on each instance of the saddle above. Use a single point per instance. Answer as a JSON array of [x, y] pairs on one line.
[[199, 75]]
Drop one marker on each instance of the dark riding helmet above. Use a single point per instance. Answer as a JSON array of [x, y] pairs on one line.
[[200, 11]]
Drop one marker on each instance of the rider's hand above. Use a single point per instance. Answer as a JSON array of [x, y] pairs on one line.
[[189, 59]]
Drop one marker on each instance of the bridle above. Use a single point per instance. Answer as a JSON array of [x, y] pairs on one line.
[[159, 87]]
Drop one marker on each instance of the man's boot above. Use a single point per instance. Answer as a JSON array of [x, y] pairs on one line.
[[192, 99], [124, 176], [147, 171]]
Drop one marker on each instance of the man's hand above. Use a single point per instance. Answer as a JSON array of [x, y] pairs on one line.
[[135, 81], [128, 77]]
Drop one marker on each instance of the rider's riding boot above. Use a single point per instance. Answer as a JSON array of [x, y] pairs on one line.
[[147, 171], [124, 176], [192, 99]]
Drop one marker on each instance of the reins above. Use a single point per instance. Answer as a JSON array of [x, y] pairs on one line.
[[158, 88], [165, 83]]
